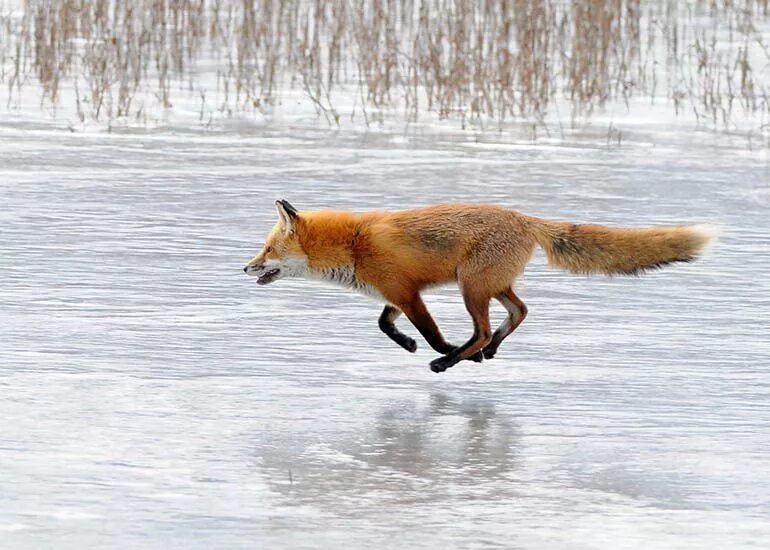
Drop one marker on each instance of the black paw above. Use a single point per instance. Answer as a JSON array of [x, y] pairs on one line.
[[409, 345], [442, 363], [477, 357], [489, 353]]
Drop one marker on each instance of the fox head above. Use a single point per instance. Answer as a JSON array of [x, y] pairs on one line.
[[282, 255]]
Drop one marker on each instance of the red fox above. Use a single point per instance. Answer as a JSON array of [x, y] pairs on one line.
[[393, 256]]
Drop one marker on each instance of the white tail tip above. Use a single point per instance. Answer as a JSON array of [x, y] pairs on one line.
[[707, 233]]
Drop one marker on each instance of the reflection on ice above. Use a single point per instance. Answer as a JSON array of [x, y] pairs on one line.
[[408, 451]]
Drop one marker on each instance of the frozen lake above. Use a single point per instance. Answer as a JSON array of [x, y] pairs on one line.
[[152, 396]]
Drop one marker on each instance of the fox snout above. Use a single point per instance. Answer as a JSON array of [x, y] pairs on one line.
[[254, 266]]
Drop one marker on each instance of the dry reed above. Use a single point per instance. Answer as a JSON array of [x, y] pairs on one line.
[[489, 60]]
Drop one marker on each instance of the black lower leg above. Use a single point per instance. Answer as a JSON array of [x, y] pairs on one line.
[[479, 338], [386, 322], [491, 348], [517, 312], [455, 356]]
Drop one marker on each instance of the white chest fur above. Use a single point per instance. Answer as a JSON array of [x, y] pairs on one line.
[[345, 277]]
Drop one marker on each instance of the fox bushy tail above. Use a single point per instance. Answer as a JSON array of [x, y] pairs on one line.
[[598, 249]]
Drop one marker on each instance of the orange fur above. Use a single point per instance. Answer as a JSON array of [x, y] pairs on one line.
[[599, 249], [483, 248]]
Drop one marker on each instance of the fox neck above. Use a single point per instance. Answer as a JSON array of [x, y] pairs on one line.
[[329, 239]]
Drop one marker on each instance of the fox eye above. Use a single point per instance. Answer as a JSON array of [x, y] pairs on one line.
[[268, 250]]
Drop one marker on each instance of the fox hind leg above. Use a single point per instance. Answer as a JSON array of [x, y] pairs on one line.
[[517, 312], [477, 305], [387, 325]]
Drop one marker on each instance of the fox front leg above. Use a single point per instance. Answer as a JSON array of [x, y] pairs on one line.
[[415, 310], [388, 326]]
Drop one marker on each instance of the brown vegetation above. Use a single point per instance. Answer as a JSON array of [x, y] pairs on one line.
[[487, 60]]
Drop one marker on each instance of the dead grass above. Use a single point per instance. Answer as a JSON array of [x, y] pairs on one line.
[[476, 61]]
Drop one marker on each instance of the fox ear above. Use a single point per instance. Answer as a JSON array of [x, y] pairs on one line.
[[288, 215]]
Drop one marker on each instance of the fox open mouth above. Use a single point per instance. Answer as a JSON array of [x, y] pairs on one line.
[[268, 276]]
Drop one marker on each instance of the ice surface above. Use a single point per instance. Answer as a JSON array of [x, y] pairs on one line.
[[152, 396]]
